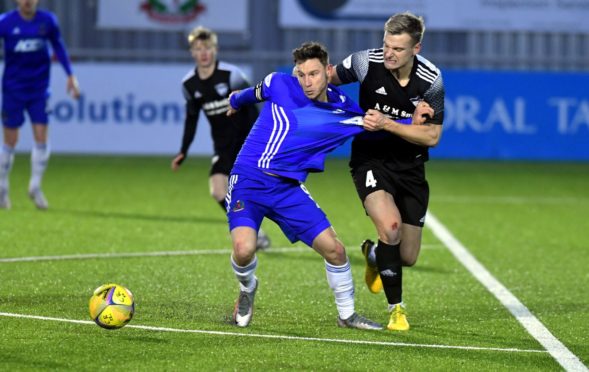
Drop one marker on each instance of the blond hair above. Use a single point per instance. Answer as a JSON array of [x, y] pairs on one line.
[[202, 33], [406, 23]]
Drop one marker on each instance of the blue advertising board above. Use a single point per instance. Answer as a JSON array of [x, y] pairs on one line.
[[510, 116], [515, 115]]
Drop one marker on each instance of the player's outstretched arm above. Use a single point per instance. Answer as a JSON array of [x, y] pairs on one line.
[[232, 110], [420, 133]]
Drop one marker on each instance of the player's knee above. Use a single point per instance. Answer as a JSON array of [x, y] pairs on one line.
[[409, 261], [391, 233], [334, 253], [243, 250]]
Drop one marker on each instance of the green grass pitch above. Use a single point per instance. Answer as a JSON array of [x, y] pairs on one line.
[[161, 235]]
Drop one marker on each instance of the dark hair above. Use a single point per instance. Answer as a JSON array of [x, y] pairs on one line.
[[408, 23], [311, 50]]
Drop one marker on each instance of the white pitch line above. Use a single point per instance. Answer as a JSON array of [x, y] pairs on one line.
[[203, 252], [281, 337], [535, 328], [140, 254]]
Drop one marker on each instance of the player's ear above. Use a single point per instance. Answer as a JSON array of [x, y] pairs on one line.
[[417, 48], [330, 71]]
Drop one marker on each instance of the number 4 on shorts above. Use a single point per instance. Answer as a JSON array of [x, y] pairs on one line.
[[370, 180]]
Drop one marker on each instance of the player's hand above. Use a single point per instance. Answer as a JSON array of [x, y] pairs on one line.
[[374, 120], [73, 88], [177, 161], [423, 112], [231, 110]]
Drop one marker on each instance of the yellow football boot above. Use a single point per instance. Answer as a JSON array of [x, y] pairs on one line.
[[398, 320], [371, 276]]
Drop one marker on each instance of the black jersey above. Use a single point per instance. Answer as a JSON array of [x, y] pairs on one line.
[[381, 91], [210, 95]]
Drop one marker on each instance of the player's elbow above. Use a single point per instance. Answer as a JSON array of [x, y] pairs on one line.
[[433, 138], [432, 142]]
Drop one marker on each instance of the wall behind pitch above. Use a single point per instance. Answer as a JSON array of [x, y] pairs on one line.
[[124, 109], [515, 115], [139, 109]]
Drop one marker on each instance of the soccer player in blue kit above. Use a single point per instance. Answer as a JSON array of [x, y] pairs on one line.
[[27, 33], [303, 119]]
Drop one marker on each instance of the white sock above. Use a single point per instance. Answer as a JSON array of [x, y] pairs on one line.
[[392, 306], [39, 159], [6, 161], [372, 254], [341, 283], [246, 275]]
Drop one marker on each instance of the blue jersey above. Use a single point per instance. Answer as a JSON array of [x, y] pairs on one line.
[[27, 58], [293, 133]]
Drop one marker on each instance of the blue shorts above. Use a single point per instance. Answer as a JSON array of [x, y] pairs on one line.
[[13, 109], [251, 197]]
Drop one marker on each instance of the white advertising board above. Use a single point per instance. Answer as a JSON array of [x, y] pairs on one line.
[[173, 14], [124, 109], [489, 15]]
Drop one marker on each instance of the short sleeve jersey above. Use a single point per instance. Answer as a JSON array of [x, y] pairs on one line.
[[381, 91], [210, 95]]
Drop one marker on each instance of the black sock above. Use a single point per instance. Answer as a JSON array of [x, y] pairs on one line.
[[390, 267]]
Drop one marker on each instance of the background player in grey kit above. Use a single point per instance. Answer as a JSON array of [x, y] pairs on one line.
[[207, 88], [388, 169], [27, 33]]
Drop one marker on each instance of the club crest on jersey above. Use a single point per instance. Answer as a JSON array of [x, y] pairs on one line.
[[239, 206], [222, 89]]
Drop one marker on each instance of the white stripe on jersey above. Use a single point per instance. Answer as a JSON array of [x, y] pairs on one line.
[[425, 74], [261, 159], [284, 133], [277, 136], [375, 55], [232, 182], [427, 64]]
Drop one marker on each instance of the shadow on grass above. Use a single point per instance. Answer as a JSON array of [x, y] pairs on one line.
[[142, 217]]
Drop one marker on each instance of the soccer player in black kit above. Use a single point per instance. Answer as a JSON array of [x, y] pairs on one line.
[[388, 165], [207, 87]]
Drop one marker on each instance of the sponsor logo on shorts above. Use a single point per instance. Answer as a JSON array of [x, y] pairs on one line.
[[239, 206]]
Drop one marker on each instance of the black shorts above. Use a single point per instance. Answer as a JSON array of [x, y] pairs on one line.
[[408, 187], [222, 163]]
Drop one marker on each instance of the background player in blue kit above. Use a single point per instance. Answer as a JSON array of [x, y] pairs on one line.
[[27, 33], [303, 119]]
